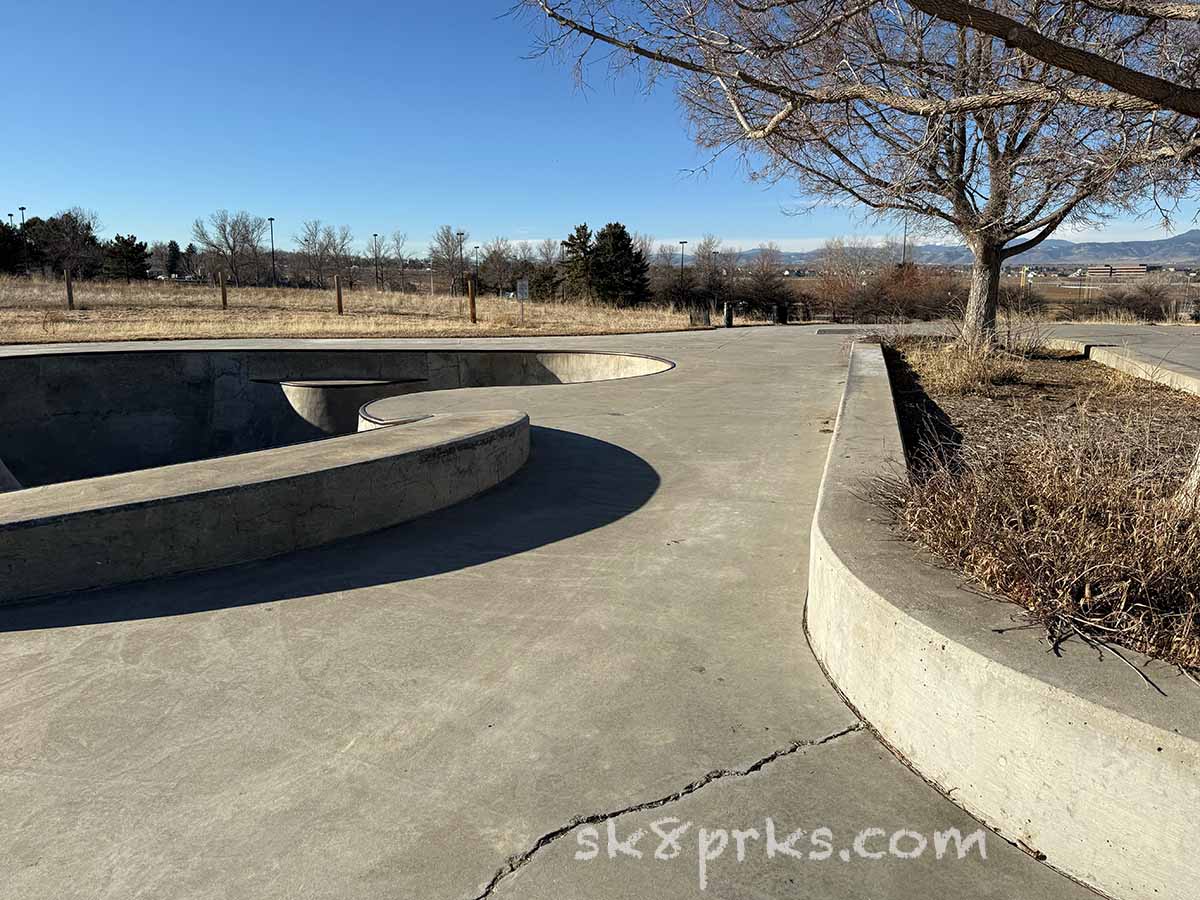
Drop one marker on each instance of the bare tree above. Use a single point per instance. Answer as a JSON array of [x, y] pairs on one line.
[[1141, 53], [497, 267], [235, 241], [766, 287], [377, 254], [549, 252], [902, 112], [341, 252], [313, 249], [446, 253], [399, 241], [69, 240], [712, 283]]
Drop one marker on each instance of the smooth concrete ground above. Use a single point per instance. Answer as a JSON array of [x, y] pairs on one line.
[[613, 635]]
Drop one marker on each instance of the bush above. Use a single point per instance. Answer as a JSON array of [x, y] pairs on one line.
[[1074, 523]]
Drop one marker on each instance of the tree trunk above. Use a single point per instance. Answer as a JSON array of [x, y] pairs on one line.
[[979, 320], [1188, 495]]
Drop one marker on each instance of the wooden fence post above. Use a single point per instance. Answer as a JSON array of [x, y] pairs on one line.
[[471, 297], [337, 287], [224, 295], [70, 290]]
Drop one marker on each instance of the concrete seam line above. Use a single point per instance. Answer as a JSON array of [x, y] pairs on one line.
[[513, 863], [948, 793]]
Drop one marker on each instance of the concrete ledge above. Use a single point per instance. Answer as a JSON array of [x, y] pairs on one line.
[[200, 515], [1073, 757], [1162, 370], [79, 412]]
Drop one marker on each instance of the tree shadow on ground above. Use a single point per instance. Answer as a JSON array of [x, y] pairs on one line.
[[571, 484]]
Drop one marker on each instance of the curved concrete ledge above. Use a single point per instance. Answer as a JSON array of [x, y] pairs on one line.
[[200, 515], [1164, 370], [82, 412], [1073, 757]]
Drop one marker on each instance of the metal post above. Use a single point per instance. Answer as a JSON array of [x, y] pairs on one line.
[[274, 277], [375, 247], [70, 291], [224, 296], [337, 287], [24, 266]]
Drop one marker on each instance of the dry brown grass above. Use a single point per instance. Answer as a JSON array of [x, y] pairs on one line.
[[949, 369], [1058, 496], [32, 311]]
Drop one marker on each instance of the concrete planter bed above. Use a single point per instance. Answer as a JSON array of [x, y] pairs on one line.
[[1074, 757]]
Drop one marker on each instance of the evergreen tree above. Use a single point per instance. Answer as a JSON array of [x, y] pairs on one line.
[[126, 257], [191, 260], [619, 271], [174, 259], [577, 261], [10, 249]]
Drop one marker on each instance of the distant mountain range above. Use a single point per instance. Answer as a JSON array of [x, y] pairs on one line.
[[1176, 250]]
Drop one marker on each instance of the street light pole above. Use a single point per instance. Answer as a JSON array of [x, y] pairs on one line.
[[24, 267], [274, 276], [476, 260], [375, 247]]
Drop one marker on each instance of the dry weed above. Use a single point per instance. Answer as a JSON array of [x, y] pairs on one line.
[[32, 311]]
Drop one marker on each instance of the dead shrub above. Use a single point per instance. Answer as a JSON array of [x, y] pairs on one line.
[[954, 369], [1072, 522]]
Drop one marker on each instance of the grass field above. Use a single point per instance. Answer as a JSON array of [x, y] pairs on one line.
[[34, 311]]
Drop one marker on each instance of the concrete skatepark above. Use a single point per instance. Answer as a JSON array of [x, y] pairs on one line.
[[612, 633]]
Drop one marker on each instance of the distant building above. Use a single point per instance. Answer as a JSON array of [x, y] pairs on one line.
[[1120, 271]]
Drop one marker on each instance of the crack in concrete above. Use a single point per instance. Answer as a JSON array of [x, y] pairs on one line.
[[513, 863]]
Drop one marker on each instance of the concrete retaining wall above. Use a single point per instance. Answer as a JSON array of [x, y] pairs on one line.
[[199, 515], [1073, 757], [87, 413]]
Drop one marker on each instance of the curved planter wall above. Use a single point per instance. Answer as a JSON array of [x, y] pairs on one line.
[[1074, 757]]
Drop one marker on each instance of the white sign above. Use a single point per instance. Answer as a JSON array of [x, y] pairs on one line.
[[523, 289]]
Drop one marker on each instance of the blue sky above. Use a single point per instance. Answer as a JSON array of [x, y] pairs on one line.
[[381, 116]]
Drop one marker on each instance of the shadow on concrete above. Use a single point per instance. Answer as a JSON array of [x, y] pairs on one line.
[[571, 484]]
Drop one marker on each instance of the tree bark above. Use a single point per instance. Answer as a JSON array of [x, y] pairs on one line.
[[1188, 495], [979, 319]]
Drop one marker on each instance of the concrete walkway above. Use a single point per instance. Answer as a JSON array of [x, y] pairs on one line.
[[611, 638]]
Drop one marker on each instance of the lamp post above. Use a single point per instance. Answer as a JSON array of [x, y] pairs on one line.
[[10, 224], [375, 248], [274, 276], [476, 260], [24, 268]]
